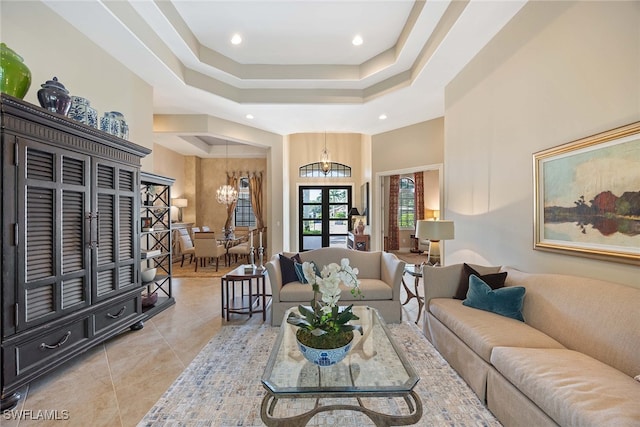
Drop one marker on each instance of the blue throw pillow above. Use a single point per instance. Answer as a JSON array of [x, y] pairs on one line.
[[300, 273], [505, 301], [288, 269]]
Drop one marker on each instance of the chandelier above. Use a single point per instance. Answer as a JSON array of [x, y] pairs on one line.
[[226, 194], [324, 158]]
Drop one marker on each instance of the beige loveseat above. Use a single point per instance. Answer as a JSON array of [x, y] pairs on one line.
[[571, 363], [380, 275]]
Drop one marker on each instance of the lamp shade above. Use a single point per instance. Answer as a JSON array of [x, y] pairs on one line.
[[179, 203], [354, 211], [435, 230]]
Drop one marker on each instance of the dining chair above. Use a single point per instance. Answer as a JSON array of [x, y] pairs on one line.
[[186, 247], [207, 248], [241, 250]]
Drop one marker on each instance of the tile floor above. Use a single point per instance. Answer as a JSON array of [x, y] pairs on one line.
[[116, 383]]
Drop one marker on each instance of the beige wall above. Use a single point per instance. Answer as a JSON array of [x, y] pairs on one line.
[[558, 72], [413, 148], [304, 148], [50, 47], [431, 190], [204, 177], [168, 130], [171, 164]]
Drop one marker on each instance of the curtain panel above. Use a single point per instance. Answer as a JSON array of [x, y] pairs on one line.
[[255, 194], [394, 231], [418, 195], [232, 180]]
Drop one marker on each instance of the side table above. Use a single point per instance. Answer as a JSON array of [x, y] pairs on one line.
[[252, 303], [414, 270]]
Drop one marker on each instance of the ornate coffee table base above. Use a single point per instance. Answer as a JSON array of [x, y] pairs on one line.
[[381, 420]]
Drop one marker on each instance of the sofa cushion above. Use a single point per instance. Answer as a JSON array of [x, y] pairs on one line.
[[494, 280], [287, 266], [503, 301], [571, 387], [592, 316], [368, 263], [372, 289], [483, 330]]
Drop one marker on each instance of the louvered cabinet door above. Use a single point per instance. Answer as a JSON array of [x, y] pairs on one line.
[[116, 203], [53, 256]]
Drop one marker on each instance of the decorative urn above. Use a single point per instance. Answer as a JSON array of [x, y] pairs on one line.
[[54, 97], [15, 76]]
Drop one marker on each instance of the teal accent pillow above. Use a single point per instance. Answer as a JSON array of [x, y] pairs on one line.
[[495, 280], [300, 273], [505, 301]]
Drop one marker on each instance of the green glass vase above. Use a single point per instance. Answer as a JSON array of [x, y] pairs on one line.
[[15, 76]]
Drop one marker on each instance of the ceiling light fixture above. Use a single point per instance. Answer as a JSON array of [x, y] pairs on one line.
[[382, 117], [236, 39], [226, 194], [357, 40], [249, 116], [324, 158]]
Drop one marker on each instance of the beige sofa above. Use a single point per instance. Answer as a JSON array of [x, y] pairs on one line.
[[571, 363], [380, 275]]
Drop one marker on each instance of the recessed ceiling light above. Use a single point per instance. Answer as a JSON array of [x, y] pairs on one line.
[[382, 117], [249, 116], [357, 40], [236, 39]]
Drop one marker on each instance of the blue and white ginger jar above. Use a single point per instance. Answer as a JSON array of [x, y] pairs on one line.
[[82, 111]]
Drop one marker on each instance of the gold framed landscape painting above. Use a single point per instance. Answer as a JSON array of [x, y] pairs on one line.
[[587, 196]]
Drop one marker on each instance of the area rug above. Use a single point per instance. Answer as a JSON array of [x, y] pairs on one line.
[[188, 270], [410, 257], [222, 387]]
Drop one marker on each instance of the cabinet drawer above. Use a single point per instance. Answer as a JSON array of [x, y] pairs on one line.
[[117, 314], [51, 346]]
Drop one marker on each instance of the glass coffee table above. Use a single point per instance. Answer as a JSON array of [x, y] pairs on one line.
[[374, 368]]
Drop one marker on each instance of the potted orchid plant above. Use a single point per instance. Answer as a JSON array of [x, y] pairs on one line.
[[325, 325]]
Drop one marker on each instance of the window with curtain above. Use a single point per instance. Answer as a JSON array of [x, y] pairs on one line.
[[243, 213], [406, 203]]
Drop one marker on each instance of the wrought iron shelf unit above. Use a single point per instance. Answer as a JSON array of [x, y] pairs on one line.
[[155, 222]]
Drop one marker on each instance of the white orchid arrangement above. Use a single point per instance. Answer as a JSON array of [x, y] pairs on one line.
[[325, 317]]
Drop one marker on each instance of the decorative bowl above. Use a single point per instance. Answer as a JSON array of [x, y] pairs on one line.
[[149, 299], [148, 275]]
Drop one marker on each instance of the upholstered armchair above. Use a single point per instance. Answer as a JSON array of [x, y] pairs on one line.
[[206, 247]]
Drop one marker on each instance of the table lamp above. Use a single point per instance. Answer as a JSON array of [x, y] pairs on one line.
[[179, 203], [434, 231], [353, 212]]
